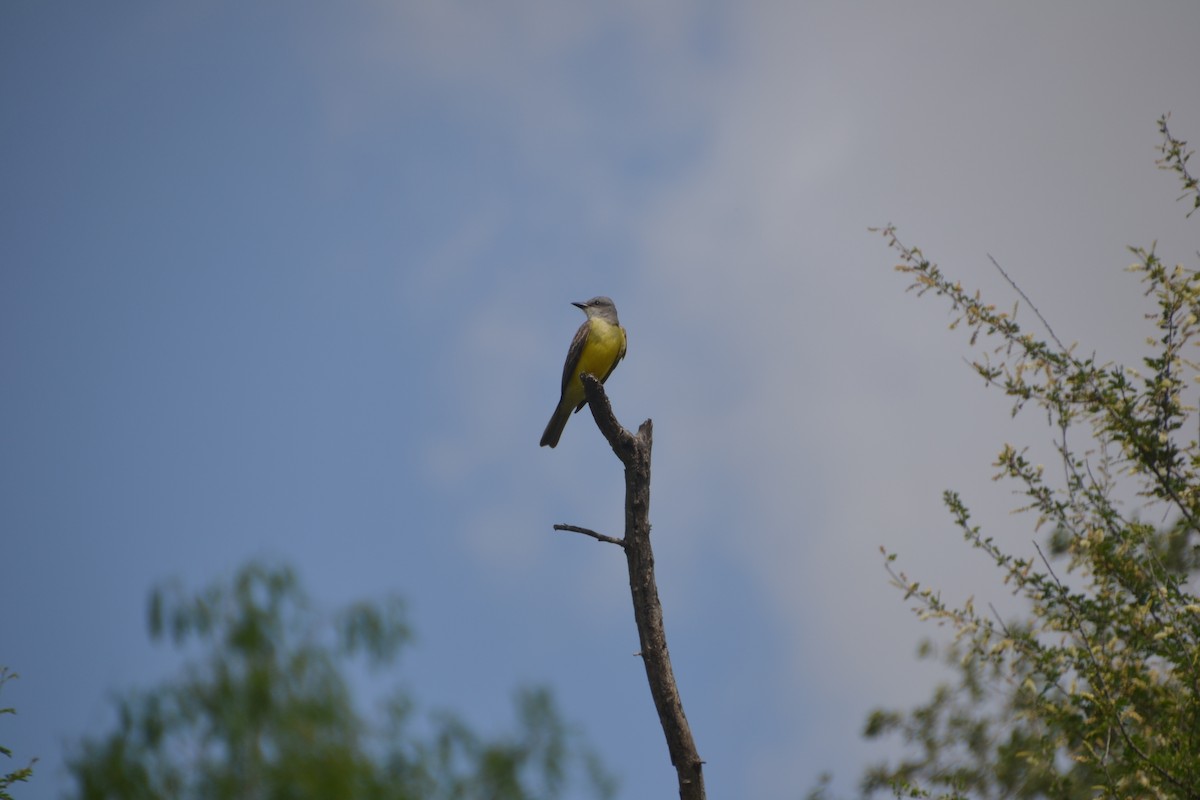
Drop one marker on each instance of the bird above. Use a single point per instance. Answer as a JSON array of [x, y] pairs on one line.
[[598, 346]]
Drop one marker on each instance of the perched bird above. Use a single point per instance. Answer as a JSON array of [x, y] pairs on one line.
[[597, 347]]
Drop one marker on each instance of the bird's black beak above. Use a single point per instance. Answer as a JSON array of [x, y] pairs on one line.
[[580, 305]]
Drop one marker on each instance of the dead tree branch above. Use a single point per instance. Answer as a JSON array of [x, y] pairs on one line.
[[599, 537], [634, 453]]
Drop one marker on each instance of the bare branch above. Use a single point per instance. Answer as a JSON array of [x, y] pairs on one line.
[[634, 453], [621, 440], [600, 537]]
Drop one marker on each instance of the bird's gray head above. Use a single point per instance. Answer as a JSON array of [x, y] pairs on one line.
[[601, 307]]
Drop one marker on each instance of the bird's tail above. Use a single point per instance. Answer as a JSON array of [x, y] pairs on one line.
[[554, 428]]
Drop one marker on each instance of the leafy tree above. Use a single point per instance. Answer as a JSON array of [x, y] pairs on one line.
[[264, 710], [18, 775], [1096, 692]]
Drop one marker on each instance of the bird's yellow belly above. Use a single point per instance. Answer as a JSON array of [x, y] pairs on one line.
[[602, 350], [605, 346]]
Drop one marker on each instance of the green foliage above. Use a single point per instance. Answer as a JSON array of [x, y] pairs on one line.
[[19, 775], [1175, 158], [264, 710], [1097, 691]]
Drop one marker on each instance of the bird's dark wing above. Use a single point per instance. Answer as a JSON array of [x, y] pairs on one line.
[[574, 354]]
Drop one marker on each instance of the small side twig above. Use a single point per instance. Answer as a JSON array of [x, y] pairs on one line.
[[599, 537], [1029, 303]]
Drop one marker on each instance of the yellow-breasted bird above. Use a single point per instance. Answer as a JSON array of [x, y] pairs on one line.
[[597, 347]]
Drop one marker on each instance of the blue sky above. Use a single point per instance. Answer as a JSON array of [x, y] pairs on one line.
[[292, 281]]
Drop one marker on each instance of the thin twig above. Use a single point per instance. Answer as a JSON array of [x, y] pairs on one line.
[[600, 537], [1028, 302], [1000, 620]]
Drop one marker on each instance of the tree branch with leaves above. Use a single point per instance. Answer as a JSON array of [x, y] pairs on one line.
[[1097, 688], [22, 774], [266, 708]]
